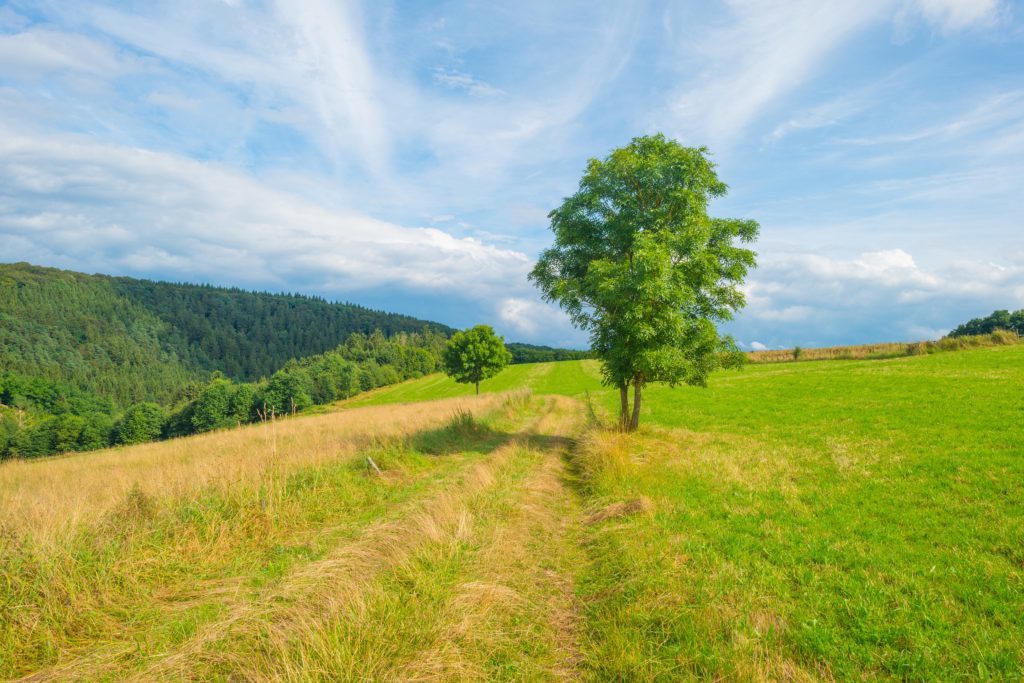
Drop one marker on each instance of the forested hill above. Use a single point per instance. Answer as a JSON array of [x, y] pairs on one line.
[[137, 340], [248, 335]]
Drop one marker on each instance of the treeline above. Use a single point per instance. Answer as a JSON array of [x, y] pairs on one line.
[[136, 341], [531, 353], [40, 417], [999, 320]]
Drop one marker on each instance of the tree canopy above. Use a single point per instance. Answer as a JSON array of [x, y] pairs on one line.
[[999, 320], [474, 355], [638, 263]]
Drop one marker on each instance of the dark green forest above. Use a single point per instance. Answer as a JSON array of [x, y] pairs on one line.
[[136, 340], [248, 335], [89, 361], [999, 320], [532, 353]]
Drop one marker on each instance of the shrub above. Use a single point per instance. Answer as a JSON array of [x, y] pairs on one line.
[[288, 391], [140, 423]]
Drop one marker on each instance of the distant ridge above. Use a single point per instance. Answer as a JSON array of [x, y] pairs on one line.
[[136, 340]]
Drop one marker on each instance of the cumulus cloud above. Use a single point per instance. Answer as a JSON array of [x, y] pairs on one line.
[[533, 318], [105, 207], [814, 299]]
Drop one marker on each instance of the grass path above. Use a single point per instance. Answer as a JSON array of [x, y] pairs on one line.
[[513, 612]]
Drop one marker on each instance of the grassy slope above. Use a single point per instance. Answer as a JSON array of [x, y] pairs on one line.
[[568, 378], [812, 520], [272, 553], [820, 520]]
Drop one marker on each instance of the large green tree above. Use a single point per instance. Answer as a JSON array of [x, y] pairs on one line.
[[638, 263], [474, 355]]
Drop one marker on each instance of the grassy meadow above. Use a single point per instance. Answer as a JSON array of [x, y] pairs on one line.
[[821, 520]]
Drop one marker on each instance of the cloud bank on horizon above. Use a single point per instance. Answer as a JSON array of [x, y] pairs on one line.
[[405, 155]]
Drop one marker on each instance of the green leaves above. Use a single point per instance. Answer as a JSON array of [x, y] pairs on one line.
[[140, 423], [639, 264], [474, 355]]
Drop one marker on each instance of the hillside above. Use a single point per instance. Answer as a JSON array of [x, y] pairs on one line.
[[136, 340], [822, 520]]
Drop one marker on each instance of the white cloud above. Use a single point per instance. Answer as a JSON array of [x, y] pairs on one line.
[[994, 113], [807, 298], [530, 316], [460, 81], [308, 54], [333, 61], [771, 48], [956, 15], [38, 52], [105, 207], [173, 100], [758, 346], [768, 50]]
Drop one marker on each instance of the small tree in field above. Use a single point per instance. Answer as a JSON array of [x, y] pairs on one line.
[[639, 264], [474, 355]]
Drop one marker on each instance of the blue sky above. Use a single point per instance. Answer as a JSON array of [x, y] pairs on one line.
[[404, 155]]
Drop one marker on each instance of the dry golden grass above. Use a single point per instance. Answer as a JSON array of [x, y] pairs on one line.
[[113, 598], [258, 638], [45, 498], [385, 606]]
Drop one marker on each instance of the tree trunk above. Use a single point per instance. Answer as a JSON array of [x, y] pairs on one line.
[[478, 387], [624, 406], [635, 422]]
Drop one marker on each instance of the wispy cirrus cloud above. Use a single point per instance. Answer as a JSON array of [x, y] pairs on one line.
[[460, 81], [755, 58], [956, 15], [770, 48]]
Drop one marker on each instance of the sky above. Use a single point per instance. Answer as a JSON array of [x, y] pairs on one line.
[[405, 155]]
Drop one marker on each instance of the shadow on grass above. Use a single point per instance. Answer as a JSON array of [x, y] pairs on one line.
[[461, 434], [464, 433]]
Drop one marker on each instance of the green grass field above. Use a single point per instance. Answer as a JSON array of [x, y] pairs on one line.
[[826, 520], [832, 519]]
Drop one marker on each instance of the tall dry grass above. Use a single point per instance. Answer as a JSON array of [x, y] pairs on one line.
[[161, 542], [45, 498], [886, 350]]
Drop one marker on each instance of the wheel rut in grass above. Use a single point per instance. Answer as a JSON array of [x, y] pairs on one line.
[[490, 600], [512, 612], [476, 584]]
